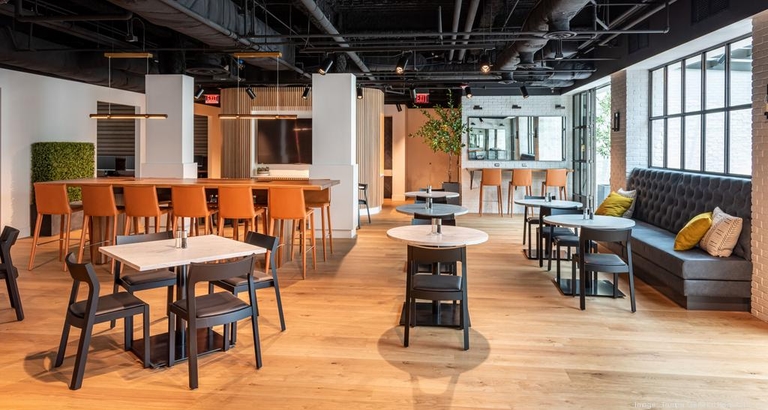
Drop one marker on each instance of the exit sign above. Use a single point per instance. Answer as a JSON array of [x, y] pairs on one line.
[[421, 98], [211, 98]]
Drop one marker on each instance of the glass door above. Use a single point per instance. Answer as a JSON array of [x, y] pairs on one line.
[[583, 146]]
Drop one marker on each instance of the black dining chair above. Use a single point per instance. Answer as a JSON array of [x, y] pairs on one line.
[[261, 280], [206, 311], [529, 220], [567, 238], [8, 270], [545, 233], [592, 263], [364, 201], [97, 309]]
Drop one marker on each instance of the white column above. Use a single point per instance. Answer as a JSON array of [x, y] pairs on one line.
[[334, 146], [168, 149]]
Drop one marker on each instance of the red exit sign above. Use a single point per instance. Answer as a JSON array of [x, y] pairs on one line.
[[421, 98], [211, 98]]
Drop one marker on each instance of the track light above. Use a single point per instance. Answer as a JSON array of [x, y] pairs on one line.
[[468, 92], [524, 92], [325, 67], [485, 64], [399, 107], [199, 93], [250, 93], [359, 92], [305, 94], [401, 64]]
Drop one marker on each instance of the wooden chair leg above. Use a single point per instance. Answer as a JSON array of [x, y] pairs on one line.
[[221, 226], [35, 240], [157, 224], [303, 249], [481, 199], [61, 237], [322, 229], [67, 236], [313, 241], [498, 201], [330, 227], [86, 223]]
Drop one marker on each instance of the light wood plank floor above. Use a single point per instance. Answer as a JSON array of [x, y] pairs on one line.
[[530, 346]]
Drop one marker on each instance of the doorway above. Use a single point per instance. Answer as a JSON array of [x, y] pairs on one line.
[[592, 145]]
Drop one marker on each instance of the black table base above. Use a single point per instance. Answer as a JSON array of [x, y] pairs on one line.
[[604, 288], [449, 315], [158, 349]]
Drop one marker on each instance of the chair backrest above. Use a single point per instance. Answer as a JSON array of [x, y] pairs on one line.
[[141, 200], [558, 211], [605, 235], [83, 272], [189, 201], [7, 240], [270, 244], [52, 199], [491, 176], [159, 236], [99, 200], [236, 202], [534, 197], [522, 177], [428, 256], [421, 219], [287, 203], [212, 272], [556, 177], [364, 188]]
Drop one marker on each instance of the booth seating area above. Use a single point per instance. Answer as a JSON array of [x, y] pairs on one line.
[[665, 202]]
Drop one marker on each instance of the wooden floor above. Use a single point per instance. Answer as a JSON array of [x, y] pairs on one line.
[[531, 347]]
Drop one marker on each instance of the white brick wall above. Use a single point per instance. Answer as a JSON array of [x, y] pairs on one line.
[[629, 145], [759, 167]]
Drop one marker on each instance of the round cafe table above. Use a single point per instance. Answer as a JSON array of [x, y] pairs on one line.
[[538, 203], [436, 211], [430, 196]]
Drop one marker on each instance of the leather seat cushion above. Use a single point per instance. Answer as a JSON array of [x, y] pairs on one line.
[[143, 278], [603, 259], [437, 283], [108, 304], [243, 280], [215, 304]]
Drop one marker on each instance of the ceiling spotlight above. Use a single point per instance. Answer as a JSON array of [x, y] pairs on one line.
[[325, 67], [359, 92], [401, 64], [305, 94], [250, 93], [399, 107], [524, 92], [199, 93], [468, 92], [485, 64]]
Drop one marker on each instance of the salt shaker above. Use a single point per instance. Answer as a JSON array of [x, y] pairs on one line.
[[184, 239], [178, 238]]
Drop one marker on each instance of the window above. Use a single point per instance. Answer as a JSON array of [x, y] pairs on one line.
[[700, 111]]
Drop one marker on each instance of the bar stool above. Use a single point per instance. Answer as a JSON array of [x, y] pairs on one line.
[[189, 201], [236, 203], [141, 202], [52, 199], [364, 189], [491, 178], [289, 204], [556, 178], [322, 200], [98, 201], [520, 178]]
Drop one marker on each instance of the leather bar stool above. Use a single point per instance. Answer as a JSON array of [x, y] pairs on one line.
[[141, 202], [288, 204], [520, 178], [236, 203], [189, 201], [556, 178], [322, 200], [98, 201], [491, 178], [52, 199]]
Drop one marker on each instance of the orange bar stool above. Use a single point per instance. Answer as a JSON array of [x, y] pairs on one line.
[[520, 178], [52, 199], [289, 204], [491, 178], [556, 178], [98, 201], [189, 201], [236, 203], [322, 200], [141, 202]]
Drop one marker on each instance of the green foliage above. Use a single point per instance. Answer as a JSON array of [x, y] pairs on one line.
[[442, 132], [603, 126], [55, 161]]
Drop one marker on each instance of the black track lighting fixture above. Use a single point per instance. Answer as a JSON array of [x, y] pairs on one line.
[[524, 92], [359, 92], [305, 94], [468, 92], [401, 64], [399, 107], [199, 93], [485, 64], [325, 66], [250, 93]]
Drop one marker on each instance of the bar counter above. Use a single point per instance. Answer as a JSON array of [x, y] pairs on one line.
[[255, 183]]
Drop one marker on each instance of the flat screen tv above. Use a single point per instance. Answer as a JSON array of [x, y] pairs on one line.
[[284, 141]]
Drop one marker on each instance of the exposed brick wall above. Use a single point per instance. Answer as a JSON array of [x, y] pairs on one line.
[[629, 145], [619, 138], [759, 167]]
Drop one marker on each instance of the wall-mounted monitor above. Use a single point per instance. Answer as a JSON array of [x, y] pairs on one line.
[[105, 163], [284, 141]]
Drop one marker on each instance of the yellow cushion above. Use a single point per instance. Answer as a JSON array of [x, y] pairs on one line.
[[693, 231], [614, 205]]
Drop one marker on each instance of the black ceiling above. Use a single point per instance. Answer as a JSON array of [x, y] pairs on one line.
[[67, 38]]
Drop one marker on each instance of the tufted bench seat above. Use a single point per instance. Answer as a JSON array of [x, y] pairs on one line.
[[666, 201]]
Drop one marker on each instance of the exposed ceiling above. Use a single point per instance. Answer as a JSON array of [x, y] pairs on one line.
[[545, 45]]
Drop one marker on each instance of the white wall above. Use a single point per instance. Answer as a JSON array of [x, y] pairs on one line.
[[398, 151], [43, 109]]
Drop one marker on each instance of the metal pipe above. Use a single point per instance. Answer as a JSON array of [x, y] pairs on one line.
[[617, 21], [19, 15], [415, 34], [325, 24], [643, 17], [455, 25], [440, 22], [347, 48], [472, 13]]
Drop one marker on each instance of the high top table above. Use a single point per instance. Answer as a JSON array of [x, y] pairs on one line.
[[538, 203]]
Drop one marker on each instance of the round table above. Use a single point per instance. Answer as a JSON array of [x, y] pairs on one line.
[[599, 222], [551, 204], [437, 210], [421, 235]]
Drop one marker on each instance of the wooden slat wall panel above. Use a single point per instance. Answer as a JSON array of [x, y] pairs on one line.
[[115, 137], [201, 135], [370, 128]]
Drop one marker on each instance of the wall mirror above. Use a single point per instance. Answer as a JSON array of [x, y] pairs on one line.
[[525, 138]]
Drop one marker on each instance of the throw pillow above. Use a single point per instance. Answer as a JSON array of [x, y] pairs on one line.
[[632, 195], [721, 238], [693, 231], [614, 205]]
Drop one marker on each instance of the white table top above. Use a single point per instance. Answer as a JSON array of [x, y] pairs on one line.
[[421, 235], [145, 256], [433, 194], [600, 221], [553, 204], [436, 210]]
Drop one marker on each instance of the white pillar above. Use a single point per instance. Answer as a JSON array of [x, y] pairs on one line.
[[334, 116], [168, 149]]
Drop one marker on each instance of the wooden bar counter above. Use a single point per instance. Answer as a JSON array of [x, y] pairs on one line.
[[255, 183]]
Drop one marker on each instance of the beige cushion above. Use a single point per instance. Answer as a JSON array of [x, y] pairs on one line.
[[723, 235], [632, 195]]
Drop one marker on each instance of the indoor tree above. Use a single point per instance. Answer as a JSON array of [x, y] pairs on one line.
[[443, 131]]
